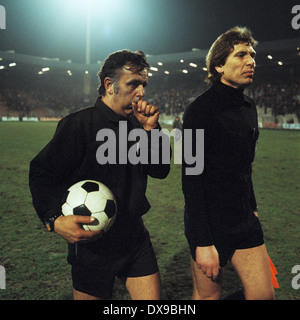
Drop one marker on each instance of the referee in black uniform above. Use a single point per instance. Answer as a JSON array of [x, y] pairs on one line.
[[221, 220], [125, 250]]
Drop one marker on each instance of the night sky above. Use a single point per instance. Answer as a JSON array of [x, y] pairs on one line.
[[57, 28]]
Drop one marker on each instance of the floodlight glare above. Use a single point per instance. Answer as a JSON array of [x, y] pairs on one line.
[[102, 7], [91, 10]]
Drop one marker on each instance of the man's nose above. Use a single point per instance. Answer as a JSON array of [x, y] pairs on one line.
[[251, 62]]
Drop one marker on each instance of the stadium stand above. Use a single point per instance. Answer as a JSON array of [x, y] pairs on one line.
[[26, 91], [56, 95]]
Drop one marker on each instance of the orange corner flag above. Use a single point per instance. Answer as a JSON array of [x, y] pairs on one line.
[[273, 274]]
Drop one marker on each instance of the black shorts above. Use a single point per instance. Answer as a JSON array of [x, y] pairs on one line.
[[119, 253], [245, 235]]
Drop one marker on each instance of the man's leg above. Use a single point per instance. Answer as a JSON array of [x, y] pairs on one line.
[[253, 268], [83, 296], [205, 288], [144, 288]]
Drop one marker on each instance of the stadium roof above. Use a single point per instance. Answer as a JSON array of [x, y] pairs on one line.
[[279, 52]]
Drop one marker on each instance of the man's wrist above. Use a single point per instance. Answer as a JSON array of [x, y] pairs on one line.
[[49, 223]]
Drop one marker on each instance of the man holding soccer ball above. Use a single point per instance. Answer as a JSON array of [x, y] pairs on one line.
[[125, 250]]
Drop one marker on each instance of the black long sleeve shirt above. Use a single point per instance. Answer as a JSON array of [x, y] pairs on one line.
[[223, 193], [71, 157]]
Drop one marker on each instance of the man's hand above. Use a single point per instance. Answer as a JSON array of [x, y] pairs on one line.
[[146, 113], [70, 228], [207, 259]]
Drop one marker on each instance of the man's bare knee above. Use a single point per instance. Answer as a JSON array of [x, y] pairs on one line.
[[263, 294], [211, 296]]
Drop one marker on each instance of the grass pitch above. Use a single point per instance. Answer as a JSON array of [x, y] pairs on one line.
[[35, 260]]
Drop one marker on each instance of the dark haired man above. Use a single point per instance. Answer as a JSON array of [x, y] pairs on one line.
[[125, 250], [221, 220]]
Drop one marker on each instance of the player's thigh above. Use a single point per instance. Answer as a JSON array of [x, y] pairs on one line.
[[205, 288], [145, 287], [253, 268]]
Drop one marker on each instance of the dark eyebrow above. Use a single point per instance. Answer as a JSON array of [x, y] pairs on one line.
[[252, 53], [137, 83]]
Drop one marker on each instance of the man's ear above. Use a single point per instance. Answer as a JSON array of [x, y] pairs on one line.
[[109, 87], [219, 69]]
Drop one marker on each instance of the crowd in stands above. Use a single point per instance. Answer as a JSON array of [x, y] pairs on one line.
[[280, 98], [39, 95], [173, 99], [57, 95], [272, 98]]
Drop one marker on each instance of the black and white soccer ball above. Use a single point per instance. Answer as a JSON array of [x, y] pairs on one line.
[[91, 198]]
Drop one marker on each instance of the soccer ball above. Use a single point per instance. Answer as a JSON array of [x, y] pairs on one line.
[[91, 198]]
